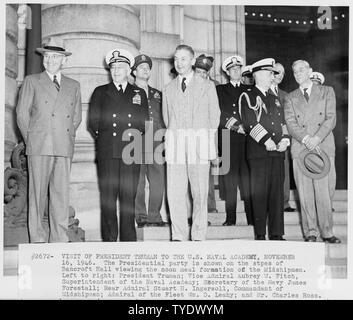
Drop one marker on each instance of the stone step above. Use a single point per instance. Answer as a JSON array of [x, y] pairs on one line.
[[289, 218], [228, 232], [336, 271], [338, 205], [340, 195]]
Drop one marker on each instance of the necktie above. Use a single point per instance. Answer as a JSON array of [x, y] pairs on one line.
[[306, 96], [121, 88], [276, 91], [183, 85], [56, 83]]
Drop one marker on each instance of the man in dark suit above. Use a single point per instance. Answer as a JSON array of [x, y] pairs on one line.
[[281, 94], [267, 140], [48, 115], [153, 166], [238, 175], [117, 113]]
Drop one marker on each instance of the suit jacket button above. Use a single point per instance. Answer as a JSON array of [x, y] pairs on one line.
[[298, 115], [68, 116], [129, 115], [114, 115], [114, 124], [129, 124], [129, 134], [319, 124], [52, 114], [67, 130], [234, 112], [303, 126], [114, 134]]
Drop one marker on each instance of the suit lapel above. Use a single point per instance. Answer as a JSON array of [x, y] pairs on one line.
[[314, 94], [195, 91], [113, 92], [48, 85], [63, 92]]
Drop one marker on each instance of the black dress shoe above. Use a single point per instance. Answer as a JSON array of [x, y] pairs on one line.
[[141, 224], [289, 209], [310, 239], [208, 223], [260, 237], [227, 223], [212, 211], [279, 238], [156, 224], [332, 239]]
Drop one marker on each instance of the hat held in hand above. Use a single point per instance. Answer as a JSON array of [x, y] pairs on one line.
[[314, 164]]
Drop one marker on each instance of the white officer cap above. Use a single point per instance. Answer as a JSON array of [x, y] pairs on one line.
[[231, 62], [246, 71], [264, 64], [317, 76], [119, 55]]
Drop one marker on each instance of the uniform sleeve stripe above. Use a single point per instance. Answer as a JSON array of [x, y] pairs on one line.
[[230, 122], [258, 132]]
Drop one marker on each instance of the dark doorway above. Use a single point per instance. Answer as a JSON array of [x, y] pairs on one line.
[[288, 33]]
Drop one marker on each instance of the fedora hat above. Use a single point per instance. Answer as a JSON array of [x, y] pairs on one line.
[[314, 164], [54, 45]]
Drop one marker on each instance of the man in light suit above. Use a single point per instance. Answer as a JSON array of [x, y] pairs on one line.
[[191, 115], [277, 92], [48, 115], [310, 113]]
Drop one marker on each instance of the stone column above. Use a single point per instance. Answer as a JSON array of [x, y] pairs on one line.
[[11, 89], [160, 34], [89, 32], [229, 29]]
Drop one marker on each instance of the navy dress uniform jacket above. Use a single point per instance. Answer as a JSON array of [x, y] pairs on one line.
[[263, 118], [111, 113], [271, 124]]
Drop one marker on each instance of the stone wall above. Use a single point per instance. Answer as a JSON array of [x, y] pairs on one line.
[[11, 89]]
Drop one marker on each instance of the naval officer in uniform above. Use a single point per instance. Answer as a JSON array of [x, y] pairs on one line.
[[117, 116], [267, 141], [238, 175]]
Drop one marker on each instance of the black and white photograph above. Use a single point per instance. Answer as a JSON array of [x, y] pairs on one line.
[[160, 151]]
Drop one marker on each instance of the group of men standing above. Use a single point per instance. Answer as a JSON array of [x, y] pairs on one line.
[[134, 124]]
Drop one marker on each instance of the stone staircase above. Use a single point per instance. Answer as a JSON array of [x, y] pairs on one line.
[[336, 254]]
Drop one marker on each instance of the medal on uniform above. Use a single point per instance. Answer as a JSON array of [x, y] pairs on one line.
[[278, 104], [157, 95], [136, 98]]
